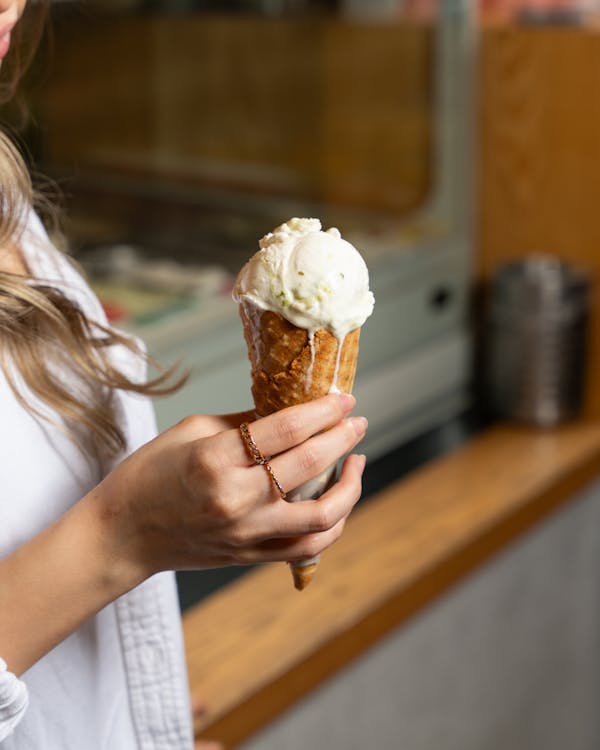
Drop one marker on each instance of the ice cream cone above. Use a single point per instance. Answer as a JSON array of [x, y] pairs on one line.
[[288, 370], [303, 298]]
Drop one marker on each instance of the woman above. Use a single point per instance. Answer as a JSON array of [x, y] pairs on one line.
[[96, 510]]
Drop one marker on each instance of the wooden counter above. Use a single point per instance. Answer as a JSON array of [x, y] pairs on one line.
[[257, 646]]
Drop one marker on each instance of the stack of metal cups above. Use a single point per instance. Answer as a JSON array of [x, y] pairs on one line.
[[536, 340]]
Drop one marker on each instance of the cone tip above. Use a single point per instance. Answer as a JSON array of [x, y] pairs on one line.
[[303, 575]]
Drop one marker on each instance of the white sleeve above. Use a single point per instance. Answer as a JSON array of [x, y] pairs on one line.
[[14, 700]]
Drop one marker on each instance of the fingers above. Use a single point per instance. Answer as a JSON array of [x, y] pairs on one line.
[[301, 548], [304, 529], [289, 427], [313, 457]]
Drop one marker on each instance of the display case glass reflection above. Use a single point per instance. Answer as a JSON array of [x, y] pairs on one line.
[[186, 128]]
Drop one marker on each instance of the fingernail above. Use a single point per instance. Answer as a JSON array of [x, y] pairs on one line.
[[363, 459], [359, 424], [347, 401]]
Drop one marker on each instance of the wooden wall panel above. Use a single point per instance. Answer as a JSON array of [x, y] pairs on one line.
[[378, 114], [97, 102], [318, 108], [539, 177]]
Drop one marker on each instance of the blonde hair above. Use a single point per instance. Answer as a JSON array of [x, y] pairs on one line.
[[45, 334]]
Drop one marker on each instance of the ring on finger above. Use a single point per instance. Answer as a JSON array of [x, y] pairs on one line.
[[258, 458]]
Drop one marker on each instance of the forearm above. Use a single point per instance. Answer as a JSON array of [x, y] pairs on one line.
[[56, 581]]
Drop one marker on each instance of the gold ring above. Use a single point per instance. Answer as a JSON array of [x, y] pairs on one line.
[[258, 457]]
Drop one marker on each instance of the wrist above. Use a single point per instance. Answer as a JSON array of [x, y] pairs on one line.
[[117, 561]]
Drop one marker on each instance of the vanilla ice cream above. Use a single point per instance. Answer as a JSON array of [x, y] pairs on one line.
[[314, 279]]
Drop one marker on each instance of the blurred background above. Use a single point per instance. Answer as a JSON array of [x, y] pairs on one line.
[[446, 140]]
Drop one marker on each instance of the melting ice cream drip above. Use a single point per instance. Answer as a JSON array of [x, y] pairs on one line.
[[334, 383], [248, 309], [309, 372], [338, 358]]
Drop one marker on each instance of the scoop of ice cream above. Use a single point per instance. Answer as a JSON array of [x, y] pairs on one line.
[[312, 278]]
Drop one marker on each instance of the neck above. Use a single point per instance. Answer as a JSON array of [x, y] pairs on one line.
[[12, 261]]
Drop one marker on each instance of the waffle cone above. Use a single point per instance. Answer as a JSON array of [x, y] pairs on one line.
[[286, 371], [283, 370]]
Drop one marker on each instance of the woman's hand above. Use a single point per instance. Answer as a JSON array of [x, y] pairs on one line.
[[193, 498]]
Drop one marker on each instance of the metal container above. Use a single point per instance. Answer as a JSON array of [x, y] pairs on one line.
[[537, 339]]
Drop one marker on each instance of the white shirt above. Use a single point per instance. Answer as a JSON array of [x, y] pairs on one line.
[[119, 682]]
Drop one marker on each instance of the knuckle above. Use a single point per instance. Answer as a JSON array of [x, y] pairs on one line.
[[220, 508], [205, 462], [322, 519], [208, 481], [290, 428], [309, 459], [237, 537], [337, 411], [194, 469], [215, 458], [196, 464], [189, 423], [311, 547], [351, 436], [339, 530], [228, 507]]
